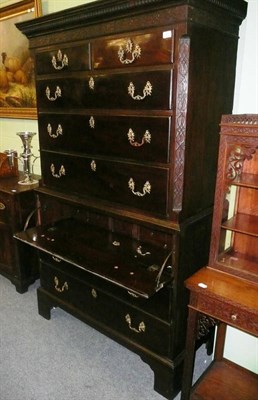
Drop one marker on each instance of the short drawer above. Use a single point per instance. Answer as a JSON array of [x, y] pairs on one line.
[[139, 90], [63, 59], [150, 48], [137, 186], [130, 137], [119, 317], [228, 313]]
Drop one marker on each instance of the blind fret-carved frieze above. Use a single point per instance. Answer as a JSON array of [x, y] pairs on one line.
[[182, 93]]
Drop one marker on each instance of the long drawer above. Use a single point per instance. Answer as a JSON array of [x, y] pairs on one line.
[[139, 186], [138, 138], [132, 322], [139, 90]]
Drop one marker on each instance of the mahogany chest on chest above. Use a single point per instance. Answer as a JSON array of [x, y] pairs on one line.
[[130, 96]]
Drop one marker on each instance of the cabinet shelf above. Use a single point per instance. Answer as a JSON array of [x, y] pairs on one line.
[[240, 262], [228, 381], [247, 180], [242, 223]]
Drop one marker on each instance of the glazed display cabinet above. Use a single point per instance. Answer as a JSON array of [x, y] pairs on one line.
[[234, 246], [130, 96], [226, 291]]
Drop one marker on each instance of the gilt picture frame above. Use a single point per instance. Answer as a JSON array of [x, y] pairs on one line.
[[17, 81]]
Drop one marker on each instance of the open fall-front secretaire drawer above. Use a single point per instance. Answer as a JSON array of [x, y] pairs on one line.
[[142, 269]]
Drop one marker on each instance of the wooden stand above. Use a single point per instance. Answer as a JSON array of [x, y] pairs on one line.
[[232, 301]]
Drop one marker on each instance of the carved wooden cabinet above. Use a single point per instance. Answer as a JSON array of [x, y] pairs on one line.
[[227, 289], [130, 96], [17, 261], [234, 244]]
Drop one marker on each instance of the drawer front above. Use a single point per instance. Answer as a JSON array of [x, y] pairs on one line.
[[229, 313], [141, 90], [63, 59], [120, 317], [134, 50], [137, 186], [5, 208], [132, 137]]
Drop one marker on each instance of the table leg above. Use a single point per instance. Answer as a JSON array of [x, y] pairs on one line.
[[192, 326]]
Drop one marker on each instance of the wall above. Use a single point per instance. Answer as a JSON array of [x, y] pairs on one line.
[[240, 347]]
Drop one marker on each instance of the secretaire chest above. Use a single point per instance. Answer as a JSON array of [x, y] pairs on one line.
[[129, 96]]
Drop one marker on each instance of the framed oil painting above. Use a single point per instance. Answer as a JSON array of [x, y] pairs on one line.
[[17, 82]]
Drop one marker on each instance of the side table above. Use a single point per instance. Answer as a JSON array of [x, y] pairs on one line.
[[17, 261], [231, 301]]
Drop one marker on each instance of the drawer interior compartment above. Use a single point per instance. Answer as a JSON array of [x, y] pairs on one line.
[[138, 267]]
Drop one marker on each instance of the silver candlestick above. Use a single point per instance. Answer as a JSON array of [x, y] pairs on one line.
[[26, 158]]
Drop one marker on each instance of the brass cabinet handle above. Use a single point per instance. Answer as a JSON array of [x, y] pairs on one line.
[[141, 327], [146, 188], [58, 93], [139, 251], [60, 173], [56, 259], [145, 139], [2, 206], [234, 317], [147, 91], [60, 61], [94, 293], [92, 122], [62, 288], [91, 83], [58, 132], [93, 165], [135, 53]]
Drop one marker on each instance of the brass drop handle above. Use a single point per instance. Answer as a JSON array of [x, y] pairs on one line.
[[139, 251], [60, 173], [60, 61], [2, 206], [62, 288], [58, 132], [141, 327], [58, 93], [147, 91], [135, 53], [146, 188], [145, 139]]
